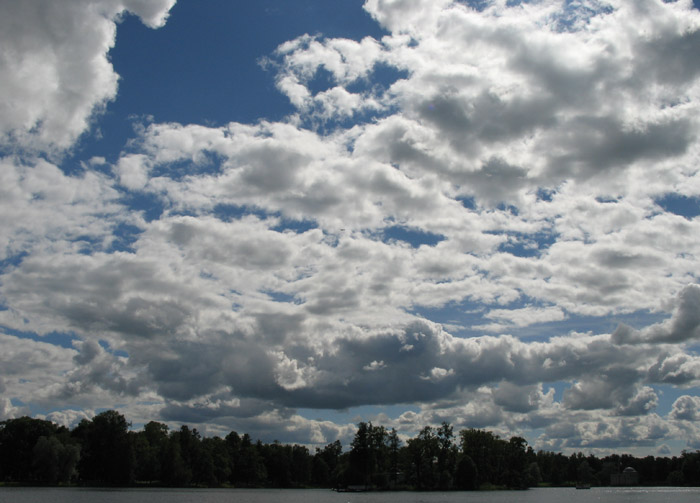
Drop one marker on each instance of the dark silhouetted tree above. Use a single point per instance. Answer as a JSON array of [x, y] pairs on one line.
[[217, 451], [106, 456], [149, 451], [55, 461], [326, 465], [515, 475], [487, 452], [446, 457], [467, 474], [17, 440], [421, 459], [394, 447], [368, 456], [174, 469]]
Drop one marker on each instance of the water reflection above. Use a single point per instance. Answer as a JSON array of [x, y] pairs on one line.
[[555, 495]]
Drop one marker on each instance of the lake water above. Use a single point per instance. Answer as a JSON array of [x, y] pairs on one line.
[[554, 495]]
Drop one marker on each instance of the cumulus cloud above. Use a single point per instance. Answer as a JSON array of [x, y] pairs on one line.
[[606, 434], [683, 326], [514, 398], [32, 370], [686, 408], [69, 418], [644, 401], [43, 207], [56, 73], [680, 369], [521, 317], [507, 178], [9, 411]]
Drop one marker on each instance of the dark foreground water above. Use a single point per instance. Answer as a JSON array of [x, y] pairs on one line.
[[597, 495]]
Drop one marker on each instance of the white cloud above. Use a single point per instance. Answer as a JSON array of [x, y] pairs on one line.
[[683, 326], [9, 411], [132, 171], [30, 370], [521, 317], [44, 210], [644, 401], [679, 369], [686, 408], [56, 73], [438, 374], [523, 149], [514, 398], [69, 418], [374, 366]]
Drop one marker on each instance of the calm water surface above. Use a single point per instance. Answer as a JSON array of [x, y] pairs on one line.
[[597, 495]]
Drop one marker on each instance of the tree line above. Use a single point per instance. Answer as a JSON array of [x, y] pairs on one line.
[[103, 451]]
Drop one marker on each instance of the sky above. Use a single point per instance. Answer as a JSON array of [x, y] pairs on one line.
[[285, 217]]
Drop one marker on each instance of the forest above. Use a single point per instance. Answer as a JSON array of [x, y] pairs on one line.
[[104, 451]]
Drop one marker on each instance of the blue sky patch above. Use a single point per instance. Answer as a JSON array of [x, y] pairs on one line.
[[411, 235], [151, 205], [382, 76], [62, 339], [230, 212], [124, 236], [282, 297], [688, 207], [12, 260], [525, 245]]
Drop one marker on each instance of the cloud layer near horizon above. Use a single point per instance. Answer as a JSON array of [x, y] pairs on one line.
[[514, 170]]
